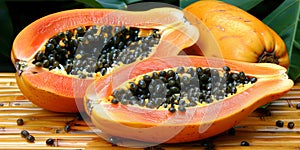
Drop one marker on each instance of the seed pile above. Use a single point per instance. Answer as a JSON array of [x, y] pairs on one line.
[[87, 50], [180, 88]]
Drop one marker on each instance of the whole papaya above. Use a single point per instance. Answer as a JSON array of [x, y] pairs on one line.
[[240, 35]]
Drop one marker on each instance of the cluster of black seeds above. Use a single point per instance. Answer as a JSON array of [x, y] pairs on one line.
[[181, 87], [91, 49], [280, 123], [29, 137]]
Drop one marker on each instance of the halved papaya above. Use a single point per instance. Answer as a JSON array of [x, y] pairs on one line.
[[57, 56], [181, 118]]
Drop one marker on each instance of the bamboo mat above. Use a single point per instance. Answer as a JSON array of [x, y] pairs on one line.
[[258, 129]]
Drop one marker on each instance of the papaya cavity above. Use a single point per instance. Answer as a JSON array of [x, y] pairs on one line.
[[176, 89], [96, 50]]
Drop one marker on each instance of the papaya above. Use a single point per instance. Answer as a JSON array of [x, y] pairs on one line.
[[240, 35], [59, 55], [181, 98]]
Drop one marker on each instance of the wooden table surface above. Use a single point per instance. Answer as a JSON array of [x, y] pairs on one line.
[[258, 129]]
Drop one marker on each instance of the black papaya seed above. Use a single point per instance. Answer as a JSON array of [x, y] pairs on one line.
[[24, 133], [291, 125], [279, 123], [20, 121], [245, 143], [30, 138], [49, 141]]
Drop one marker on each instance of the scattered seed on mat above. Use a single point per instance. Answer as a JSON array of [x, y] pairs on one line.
[[279, 123], [244, 143], [49, 141], [24, 133], [291, 125], [30, 138], [20, 122], [298, 106]]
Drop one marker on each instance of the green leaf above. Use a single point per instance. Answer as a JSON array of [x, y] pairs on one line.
[[264, 8], [285, 21], [90, 3], [6, 36], [185, 3], [112, 4], [245, 4], [132, 1]]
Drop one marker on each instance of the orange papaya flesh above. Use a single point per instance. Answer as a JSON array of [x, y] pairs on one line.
[[196, 123], [49, 87], [240, 35]]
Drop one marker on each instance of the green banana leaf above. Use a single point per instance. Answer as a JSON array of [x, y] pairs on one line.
[[285, 21], [245, 4]]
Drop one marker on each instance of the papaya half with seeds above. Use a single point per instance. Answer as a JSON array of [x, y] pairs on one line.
[[240, 35], [181, 98], [57, 56]]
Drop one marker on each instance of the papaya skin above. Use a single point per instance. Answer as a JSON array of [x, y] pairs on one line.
[[64, 93], [63, 100], [240, 35], [161, 126]]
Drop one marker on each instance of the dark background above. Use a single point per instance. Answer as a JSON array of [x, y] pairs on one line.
[[22, 13]]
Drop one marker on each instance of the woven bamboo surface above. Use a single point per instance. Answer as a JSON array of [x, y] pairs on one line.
[[258, 129]]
